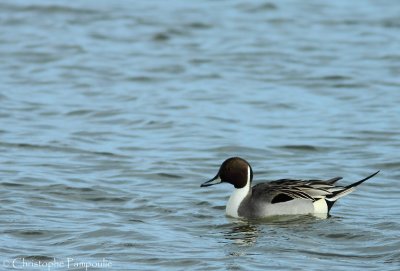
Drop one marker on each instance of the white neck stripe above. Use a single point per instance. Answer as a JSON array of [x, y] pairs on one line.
[[238, 196]]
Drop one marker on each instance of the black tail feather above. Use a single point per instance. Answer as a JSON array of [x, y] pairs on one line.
[[330, 203], [363, 180]]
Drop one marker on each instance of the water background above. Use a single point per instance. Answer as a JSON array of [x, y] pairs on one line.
[[112, 113]]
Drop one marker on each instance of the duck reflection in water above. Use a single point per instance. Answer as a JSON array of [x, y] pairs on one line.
[[244, 234]]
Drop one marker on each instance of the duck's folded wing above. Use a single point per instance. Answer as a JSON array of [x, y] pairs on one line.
[[288, 189]]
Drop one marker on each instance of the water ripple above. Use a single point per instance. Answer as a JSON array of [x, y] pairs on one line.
[[113, 114]]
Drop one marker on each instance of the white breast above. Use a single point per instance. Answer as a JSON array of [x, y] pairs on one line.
[[237, 197]]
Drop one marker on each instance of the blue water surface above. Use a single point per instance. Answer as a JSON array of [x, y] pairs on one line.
[[112, 113]]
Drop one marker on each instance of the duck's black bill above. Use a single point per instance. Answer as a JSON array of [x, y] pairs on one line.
[[213, 181]]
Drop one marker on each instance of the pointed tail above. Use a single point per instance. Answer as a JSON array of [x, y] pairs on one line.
[[348, 189], [363, 180]]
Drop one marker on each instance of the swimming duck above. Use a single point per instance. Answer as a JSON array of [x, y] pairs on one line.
[[280, 197]]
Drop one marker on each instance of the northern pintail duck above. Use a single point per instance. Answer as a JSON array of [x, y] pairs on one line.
[[280, 197]]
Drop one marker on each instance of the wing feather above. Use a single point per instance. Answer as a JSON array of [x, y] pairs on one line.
[[298, 189]]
